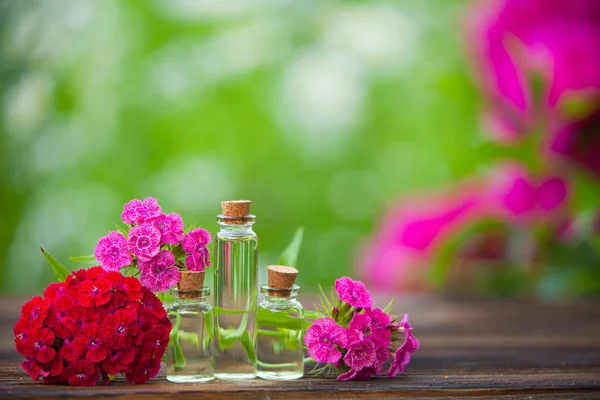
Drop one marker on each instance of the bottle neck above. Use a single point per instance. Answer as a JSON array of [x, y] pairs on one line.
[[280, 296], [236, 226], [190, 297]]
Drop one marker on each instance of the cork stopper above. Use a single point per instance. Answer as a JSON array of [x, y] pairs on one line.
[[236, 210], [281, 277], [190, 284]]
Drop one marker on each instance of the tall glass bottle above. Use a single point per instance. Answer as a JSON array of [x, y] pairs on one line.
[[190, 355], [236, 253], [279, 351]]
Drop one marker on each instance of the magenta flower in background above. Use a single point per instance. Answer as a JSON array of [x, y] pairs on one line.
[[556, 39], [411, 233], [136, 211], [159, 273], [322, 338], [199, 260], [402, 355], [144, 241], [579, 143], [112, 252], [516, 195], [170, 227], [195, 240], [353, 292]]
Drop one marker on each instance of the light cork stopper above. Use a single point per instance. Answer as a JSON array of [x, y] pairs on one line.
[[236, 210], [281, 277], [190, 284]]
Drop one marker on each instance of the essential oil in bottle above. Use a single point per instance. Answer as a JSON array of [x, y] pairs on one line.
[[279, 350], [236, 292], [190, 355]]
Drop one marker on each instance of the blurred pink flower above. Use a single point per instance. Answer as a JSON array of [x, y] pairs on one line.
[[579, 142], [556, 39], [411, 233], [408, 241], [516, 195]]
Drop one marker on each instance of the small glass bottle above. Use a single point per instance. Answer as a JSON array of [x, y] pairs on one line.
[[236, 292], [279, 349], [190, 355]]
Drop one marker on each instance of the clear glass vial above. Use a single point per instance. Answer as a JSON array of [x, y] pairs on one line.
[[279, 349], [190, 355], [236, 292]]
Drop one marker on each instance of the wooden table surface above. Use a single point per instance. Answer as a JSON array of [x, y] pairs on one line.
[[469, 348]]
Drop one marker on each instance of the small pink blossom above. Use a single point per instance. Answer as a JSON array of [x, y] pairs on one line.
[[199, 260], [144, 241], [112, 252], [402, 354], [380, 334], [361, 355], [322, 338], [359, 328], [170, 227], [160, 273], [353, 292], [195, 240], [136, 211]]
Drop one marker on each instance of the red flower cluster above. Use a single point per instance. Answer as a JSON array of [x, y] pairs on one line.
[[94, 324]]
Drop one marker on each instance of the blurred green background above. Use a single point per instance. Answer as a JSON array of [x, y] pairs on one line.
[[321, 112]]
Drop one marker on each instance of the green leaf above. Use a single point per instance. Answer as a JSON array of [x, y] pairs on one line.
[[290, 254], [60, 270], [248, 346], [83, 259]]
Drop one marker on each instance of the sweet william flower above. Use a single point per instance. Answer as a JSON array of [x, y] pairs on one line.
[[39, 345], [144, 371], [119, 330], [199, 260], [170, 227], [403, 353], [137, 212], [379, 320], [359, 355], [82, 373], [160, 273], [112, 252], [36, 309], [195, 240], [353, 292], [359, 328], [118, 360], [95, 293], [144, 241], [322, 338]]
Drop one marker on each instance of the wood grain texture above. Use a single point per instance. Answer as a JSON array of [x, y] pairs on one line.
[[469, 348]]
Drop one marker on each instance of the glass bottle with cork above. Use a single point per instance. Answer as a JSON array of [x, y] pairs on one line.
[[236, 291], [279, 350], [190, 355]]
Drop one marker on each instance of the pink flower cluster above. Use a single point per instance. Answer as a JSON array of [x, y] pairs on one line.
[[156, 244], [357, 338]]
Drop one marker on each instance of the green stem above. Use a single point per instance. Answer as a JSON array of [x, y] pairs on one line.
[[283, 365]]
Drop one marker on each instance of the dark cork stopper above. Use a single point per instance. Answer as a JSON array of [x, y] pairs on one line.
[[281, 277], [190, 284], [236, 210]]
